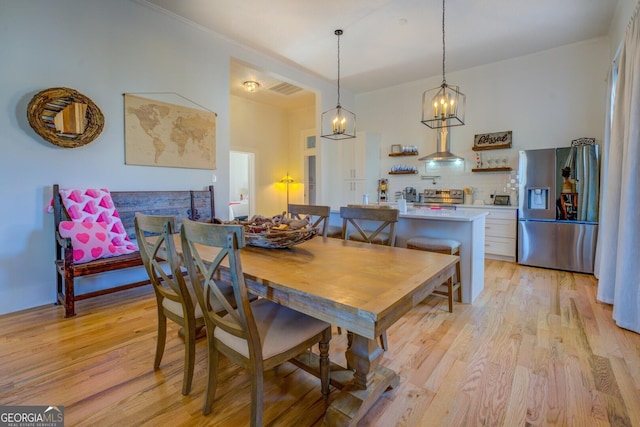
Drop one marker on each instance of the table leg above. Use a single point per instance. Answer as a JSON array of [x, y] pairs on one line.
[[369, 381], [363, 356]]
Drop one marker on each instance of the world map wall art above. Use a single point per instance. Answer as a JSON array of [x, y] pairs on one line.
[[159, 133]]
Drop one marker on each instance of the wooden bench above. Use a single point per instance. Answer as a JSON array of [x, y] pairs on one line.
[[195, 205]]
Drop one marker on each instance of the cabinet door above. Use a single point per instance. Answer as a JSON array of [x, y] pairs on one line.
[[500, 246], [354, 159], [352, 192], [360, 166], [500, 228], [360, 157], [498, 213]]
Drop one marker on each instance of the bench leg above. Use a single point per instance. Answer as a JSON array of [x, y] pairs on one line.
[[69, 297], [59, 285]]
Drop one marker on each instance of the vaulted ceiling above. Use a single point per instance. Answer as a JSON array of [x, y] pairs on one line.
[[388, 42]]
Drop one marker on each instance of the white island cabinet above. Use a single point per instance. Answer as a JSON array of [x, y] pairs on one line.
[[465, 226]]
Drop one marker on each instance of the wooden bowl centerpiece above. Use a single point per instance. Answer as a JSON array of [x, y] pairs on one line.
[[277, 232]]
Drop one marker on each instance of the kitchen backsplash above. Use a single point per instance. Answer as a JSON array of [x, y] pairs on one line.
[[458, 176]]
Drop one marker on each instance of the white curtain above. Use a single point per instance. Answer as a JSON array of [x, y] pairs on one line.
[[618, 268]]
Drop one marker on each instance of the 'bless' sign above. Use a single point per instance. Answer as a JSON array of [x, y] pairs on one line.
[[491, 141]]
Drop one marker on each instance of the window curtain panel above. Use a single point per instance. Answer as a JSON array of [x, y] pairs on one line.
[[619, 238]]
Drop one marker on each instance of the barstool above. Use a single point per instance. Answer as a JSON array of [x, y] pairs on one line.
[[442, 246]]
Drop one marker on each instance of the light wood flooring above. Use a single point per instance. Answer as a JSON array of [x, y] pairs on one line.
[[534, 349]]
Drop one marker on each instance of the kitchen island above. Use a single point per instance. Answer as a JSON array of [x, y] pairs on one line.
[[467, 227]]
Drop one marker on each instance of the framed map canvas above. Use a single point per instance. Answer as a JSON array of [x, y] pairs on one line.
[[159, 133]]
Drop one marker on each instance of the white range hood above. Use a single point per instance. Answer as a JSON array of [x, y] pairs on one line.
[[444, 153]]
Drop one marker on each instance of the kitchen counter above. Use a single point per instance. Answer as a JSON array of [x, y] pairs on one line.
[[510, 207], [411, 206], [443, 214], [465, 226]]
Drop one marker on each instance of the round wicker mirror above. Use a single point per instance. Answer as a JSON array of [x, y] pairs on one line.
[[65, 117]]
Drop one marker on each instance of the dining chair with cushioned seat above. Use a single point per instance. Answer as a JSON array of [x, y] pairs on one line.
[[443, 246], [319, 215], [371, 225], [173, 296], [259, 334]]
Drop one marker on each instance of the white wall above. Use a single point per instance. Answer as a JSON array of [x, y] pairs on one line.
[[546, 99], [619, 22], [102, 49]]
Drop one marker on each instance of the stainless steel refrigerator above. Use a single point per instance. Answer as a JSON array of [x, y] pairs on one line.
[[558, 208]]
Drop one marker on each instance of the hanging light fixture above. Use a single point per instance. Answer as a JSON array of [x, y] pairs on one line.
[[338, 123], [443, 106]]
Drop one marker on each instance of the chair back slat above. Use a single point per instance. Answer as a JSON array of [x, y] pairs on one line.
[[319, 215], [361, 220]]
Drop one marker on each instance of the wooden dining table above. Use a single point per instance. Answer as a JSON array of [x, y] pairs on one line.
[[362, 288]]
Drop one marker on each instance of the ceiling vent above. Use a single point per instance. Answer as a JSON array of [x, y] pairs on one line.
[[285, 89]]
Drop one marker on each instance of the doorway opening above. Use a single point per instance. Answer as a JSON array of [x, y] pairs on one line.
[[310, 152], [310, 196], [241, 185]]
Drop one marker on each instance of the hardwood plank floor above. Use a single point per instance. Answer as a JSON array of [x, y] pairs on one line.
[[535, 349]]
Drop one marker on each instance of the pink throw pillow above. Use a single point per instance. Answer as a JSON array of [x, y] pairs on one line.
[[95, 205], [90, 240]]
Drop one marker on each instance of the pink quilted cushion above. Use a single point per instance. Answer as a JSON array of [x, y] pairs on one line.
[[95, 205], [90, 240]]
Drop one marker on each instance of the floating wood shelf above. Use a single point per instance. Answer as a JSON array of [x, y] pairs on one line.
[[404, 173], [491, 170], [403, 154], [491, 147]]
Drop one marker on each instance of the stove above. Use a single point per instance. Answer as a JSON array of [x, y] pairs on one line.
[[442, 196]]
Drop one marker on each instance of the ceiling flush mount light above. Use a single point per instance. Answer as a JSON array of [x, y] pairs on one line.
[[338, 123], [251, 86], [443, 106]]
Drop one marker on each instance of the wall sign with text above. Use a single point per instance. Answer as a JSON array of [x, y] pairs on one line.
[[492, 141]]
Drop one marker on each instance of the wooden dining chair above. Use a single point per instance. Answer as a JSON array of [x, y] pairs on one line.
[[259, 334], [319, 215], [443, 246], [369, 225], [154, 233]]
